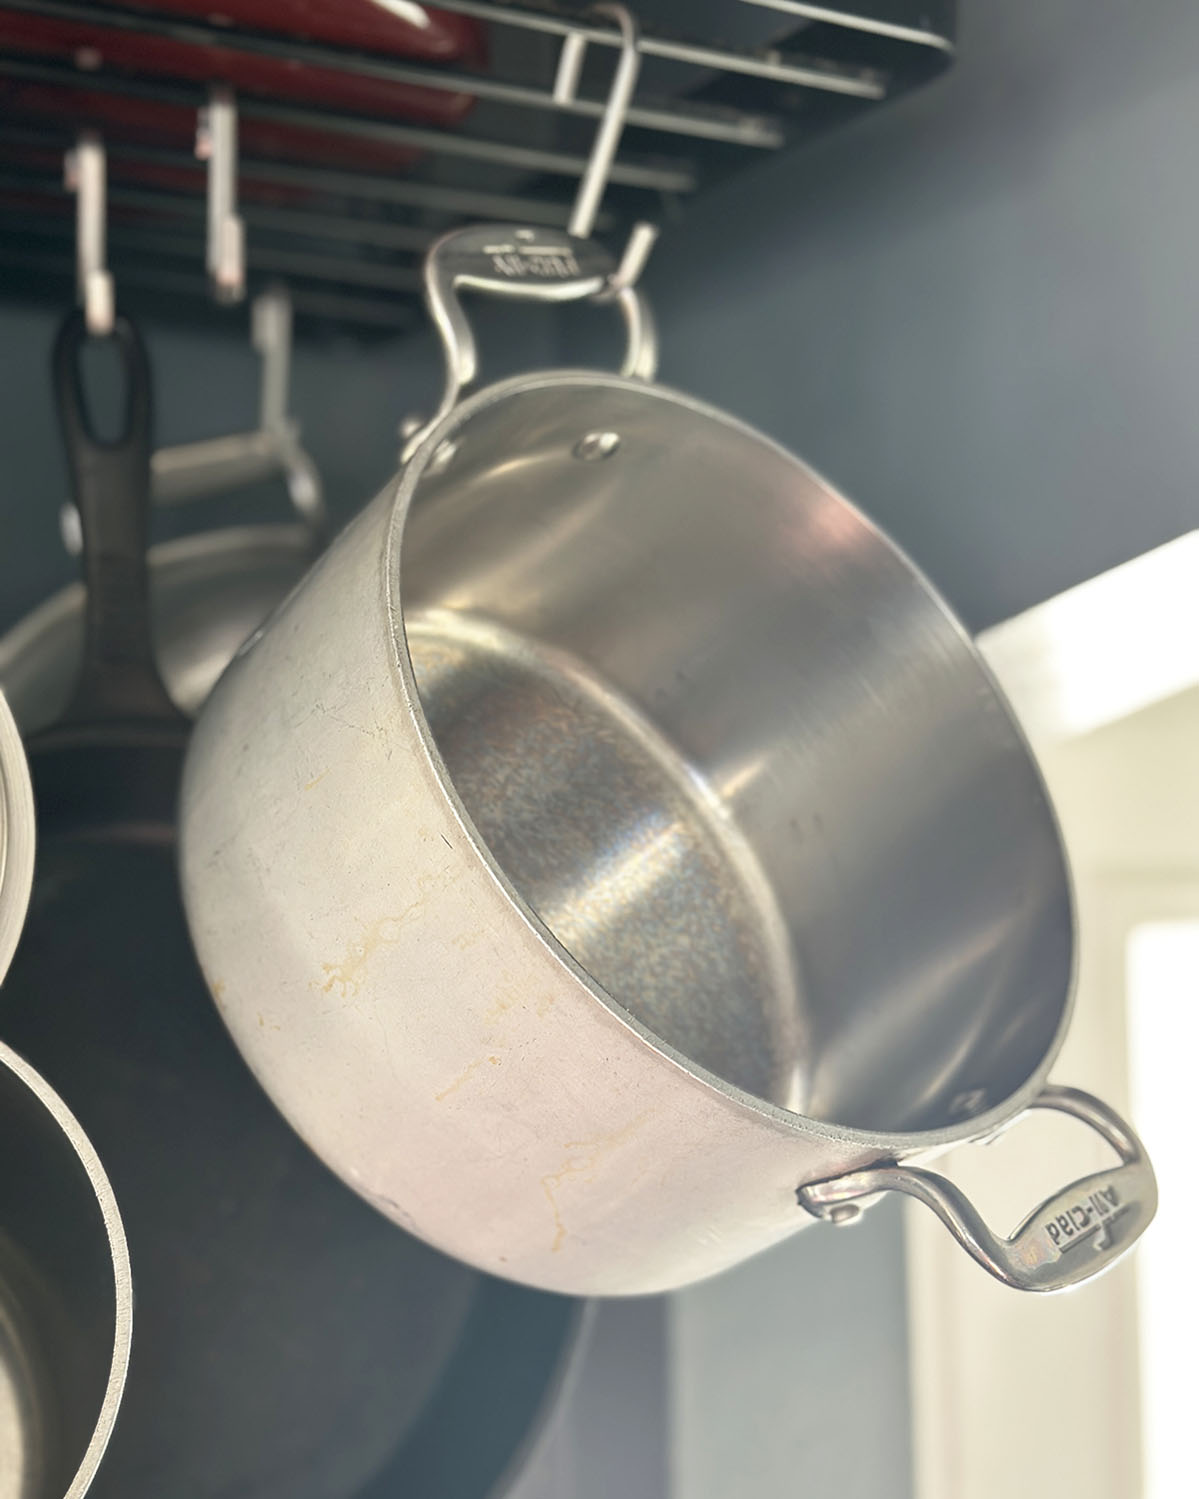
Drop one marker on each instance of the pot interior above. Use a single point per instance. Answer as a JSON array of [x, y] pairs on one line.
[[736, 755]]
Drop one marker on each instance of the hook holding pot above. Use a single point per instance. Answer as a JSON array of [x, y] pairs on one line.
[[594, 180], [86, 175], [616, 109], [520, 262]]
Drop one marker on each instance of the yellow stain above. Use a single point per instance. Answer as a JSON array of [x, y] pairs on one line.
[[579, 1166], [346, 976], [460, 1079]]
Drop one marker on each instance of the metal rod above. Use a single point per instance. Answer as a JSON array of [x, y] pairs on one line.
[[642, 240], [665, 177], [669, 176], [570, 67], [710, 123], [317, 267], [917, 35], [865, 83], [612, 122], [216, 143], [367, 311], [456, 202], [85, 175], [374, 232], [275, 261], [381, 236], [270, 333]]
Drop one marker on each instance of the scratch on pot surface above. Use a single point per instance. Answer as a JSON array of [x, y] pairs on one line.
[[577, 1167], [316, 780]]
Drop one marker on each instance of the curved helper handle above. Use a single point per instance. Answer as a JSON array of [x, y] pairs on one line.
[[1076, 1234], [518, 262]]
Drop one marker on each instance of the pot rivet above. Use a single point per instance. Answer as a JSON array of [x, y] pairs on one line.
[[443, 457], [966, 1105], [845, 1212], [597, 446]]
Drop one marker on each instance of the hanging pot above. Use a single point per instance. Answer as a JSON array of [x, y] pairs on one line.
[[615, 838]]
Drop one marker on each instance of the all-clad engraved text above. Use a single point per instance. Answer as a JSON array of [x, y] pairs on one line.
[[1082, 1218], [547, 262]]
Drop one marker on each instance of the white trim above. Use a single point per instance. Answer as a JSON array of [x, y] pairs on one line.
[[1012, 1392], [1105, 649]]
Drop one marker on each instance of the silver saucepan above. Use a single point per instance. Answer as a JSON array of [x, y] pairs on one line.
[[614, 854]]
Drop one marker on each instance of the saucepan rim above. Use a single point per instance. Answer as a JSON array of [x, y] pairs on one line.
[[910, 1143], [17, 837], [118, 1251]]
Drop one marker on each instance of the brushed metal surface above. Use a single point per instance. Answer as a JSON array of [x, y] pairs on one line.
[[617, 846]]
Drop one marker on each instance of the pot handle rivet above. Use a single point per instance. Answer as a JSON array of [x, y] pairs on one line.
[[1074, 1235], [596, 446]]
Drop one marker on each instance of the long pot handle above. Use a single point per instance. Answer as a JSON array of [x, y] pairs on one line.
[[111, 481], [1077, 1233]]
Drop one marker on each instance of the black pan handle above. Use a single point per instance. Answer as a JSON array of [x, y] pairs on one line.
[[118, 679]]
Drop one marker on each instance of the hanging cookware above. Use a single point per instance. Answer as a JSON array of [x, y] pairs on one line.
[[65, 1299], [289, 1341], [615, 836]]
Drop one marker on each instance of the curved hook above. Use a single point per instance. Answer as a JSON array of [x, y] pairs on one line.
[[612, 121]]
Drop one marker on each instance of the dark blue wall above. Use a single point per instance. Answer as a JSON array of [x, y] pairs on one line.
[[977, 311]]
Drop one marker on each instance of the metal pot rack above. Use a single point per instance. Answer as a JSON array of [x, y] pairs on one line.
[[347, 234]]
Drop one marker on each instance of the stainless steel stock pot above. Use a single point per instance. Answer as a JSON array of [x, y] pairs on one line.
[[614, 854]]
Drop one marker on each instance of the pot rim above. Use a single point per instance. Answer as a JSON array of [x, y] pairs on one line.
[[17, 835], [118, 1250], [875, 1143]]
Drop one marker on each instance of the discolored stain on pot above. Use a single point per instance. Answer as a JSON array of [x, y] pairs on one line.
[[346, 976], [465, 1075], [577, 1167]]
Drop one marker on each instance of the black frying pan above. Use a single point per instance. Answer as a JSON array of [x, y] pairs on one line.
[[289, 1343]]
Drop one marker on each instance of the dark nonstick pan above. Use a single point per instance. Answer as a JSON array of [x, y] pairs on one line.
[[289, 1343]]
